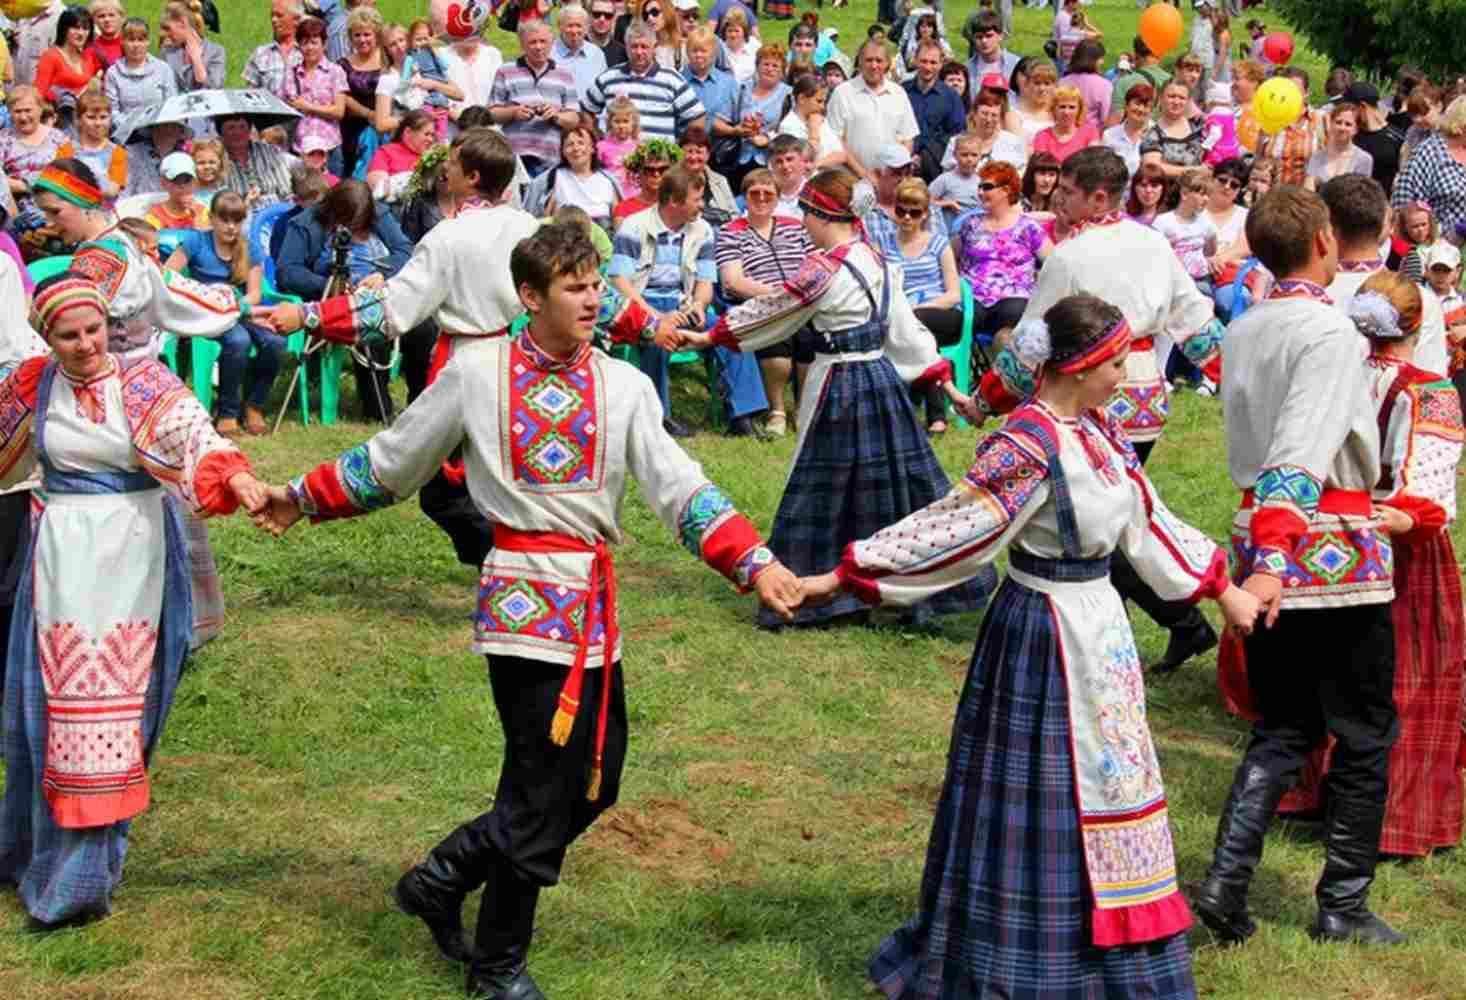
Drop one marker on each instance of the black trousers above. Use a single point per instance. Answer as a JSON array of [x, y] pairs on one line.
[[1177, 616], [376, 401], [540, 805], [448, 505], [946, 327], [417, 356], [1329, 671]]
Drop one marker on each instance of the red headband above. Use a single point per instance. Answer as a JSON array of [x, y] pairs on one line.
[[1110, 344], [813, 198]]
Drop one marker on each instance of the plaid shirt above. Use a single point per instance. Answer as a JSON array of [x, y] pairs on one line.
[[1431, 175], [1292, 148], [267, 169], [268, 66]]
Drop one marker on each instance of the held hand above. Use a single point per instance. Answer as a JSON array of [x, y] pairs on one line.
[[1396, 522], [262, 316], [970, 411], [1268, 590], [780, 591], [279, 512], [668, 337], [252, 494], [374, 280], [285, 318], [820, 590], [1240, 608], [694, 341]]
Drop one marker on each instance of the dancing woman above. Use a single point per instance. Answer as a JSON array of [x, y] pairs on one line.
[[92, 670], [862, 459], [1050, 869]]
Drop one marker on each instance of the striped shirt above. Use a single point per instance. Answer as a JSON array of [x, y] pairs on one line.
[[771, 261], [921, 276], [516, 83], [666, 102]]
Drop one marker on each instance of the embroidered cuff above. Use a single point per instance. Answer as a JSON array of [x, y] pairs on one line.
[[750, 566], [344, 487], [1270, 561]]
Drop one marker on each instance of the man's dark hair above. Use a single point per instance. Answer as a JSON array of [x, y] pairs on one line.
[[487, 152], [1098, 168], [1357, 207], [555, 250], [1281, 228]]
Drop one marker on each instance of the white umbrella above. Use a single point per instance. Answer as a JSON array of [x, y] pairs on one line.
[[261, 107]]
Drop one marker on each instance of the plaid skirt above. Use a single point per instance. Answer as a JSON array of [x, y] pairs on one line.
[[1423, 810], [865, 464], [1005, 898], [64, 873]]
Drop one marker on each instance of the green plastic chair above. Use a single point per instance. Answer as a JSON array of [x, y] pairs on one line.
[[206, 355], [960, 353]]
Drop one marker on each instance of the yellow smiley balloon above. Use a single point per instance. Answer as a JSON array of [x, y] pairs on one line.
[[1277, 104]]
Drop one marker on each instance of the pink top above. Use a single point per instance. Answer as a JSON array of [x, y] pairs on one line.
[[318, 86], [1096, 91], [393, 158], [612, 152], [1084, 136]]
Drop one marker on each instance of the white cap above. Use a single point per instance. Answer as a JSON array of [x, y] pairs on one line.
[[316, 144], [893, 156], [176, 165], [686, 5], [1441, 254]]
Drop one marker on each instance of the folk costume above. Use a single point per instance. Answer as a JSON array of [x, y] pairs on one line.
[[1134, 268], [1432, 354], [549, 448], [145, 300], [1419, 419], [458, 275], [93, 669], [1303, 445], [862, 459], [1050, 869]]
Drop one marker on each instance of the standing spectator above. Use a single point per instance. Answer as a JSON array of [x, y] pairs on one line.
[[602, 33], [577, 180], [738, 43], [939, 113], [268, 65], [1125, 137], [1436, 173], [473, 66], [985, 31], [668, 29], [718, 15], [1069, 31], [1192, 237], [197, 63], [146, 153], [715, 88], [363, 66], [415, 80], [107, 19], [94, 147], [1174, 142], [392, 166], [574, 52], [870, 112], [1071, 130], [1149, 194], [138, 78], [257, 171], [623, 140], [1339, 155], [1376, 136], [1247, 76], [760, 107], [1293, 147], [33, 36], [68, 66], [27, 146], [1036, 80], [954, 75], [1084, 76], [316, 88], [665, 101], [758, 254], [1203, 38], [1146, 69], [534, 99], [180, 209]]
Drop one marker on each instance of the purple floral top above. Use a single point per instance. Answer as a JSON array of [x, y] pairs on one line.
[[1003, 264], [319, 86]]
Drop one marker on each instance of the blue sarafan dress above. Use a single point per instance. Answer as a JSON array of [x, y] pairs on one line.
[[103, 614], [1050, 872], [862, 460]]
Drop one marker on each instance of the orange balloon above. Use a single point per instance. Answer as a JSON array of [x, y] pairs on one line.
[[1160, 28]]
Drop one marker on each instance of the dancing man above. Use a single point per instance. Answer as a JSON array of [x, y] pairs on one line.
[[1132, 267], [1303, 445], [552, 432]]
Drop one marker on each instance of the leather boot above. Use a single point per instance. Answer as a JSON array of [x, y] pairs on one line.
[[1221, 903], [434, 890], [1351, 850], [1190, 639], [498, 969]]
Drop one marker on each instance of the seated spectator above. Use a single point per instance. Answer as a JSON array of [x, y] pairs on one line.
[[648, 164], [1071, 131], [578, 181], [208, 161], [985, 124], [316, 88], [719, 205], [998, 252], [928, 277], [1150, 194], [221, 256], [956, 191], [791, 160], [533, 100], [315, 154], [757, 254], [806, 120], [93, 147], [392, 165], [107, 20], [1040, 179], [257, 171], [663, 258], [197, 62], [1125, 136], [68, 66], [27, 147], [624, 122], [893, 165], [146, 153], [138, 78], [180, 210], [307, 188], [269, 64]]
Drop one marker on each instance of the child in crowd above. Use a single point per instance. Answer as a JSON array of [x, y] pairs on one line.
[[422, 60], [1443, 275], [221, 256], [955, 191], [1416, 229], [834, 74], [1192, 237], [1221, 125], [180, 209], [93, 145], [314, 151], [277, 136], [208, 162], [1260, 179], [624, 124]]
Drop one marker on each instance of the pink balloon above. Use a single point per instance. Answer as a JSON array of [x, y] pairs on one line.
[[1277, 48]]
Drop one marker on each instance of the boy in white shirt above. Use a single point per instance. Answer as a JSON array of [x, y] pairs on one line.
[[1443, 273]]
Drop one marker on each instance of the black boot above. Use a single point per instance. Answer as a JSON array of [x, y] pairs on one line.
[[498, 970], [1221, 903], [433, 891], [1190, 639], [1351, 850]]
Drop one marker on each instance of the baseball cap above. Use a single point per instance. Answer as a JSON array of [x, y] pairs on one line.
[[994, 81], [1442, 254], [176, 165], [893, 156], [686, 5], [316, 144], [1360, 92]]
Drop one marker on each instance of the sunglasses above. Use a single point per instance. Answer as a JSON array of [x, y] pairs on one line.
[[1230, 182], [906, 212], [988, 186], [689, 15], [760, 195], [652, 12], [602, 15], [648, 168]]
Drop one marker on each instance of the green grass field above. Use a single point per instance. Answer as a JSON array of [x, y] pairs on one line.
[[776, 804]]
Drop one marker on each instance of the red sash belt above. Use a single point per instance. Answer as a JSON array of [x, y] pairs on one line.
[[601, 568], [442, 351], [1333, 501], [1143, 344]]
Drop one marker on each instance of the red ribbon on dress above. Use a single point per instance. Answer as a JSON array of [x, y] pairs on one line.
[[91, 400], [508, 539]]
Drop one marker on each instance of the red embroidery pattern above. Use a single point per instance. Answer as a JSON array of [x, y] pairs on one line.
[[552, 422], [103, 266]]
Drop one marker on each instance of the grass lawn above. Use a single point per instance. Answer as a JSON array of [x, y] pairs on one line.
[[776, 804]]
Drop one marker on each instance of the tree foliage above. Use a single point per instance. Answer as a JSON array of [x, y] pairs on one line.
[[1379, 36]]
